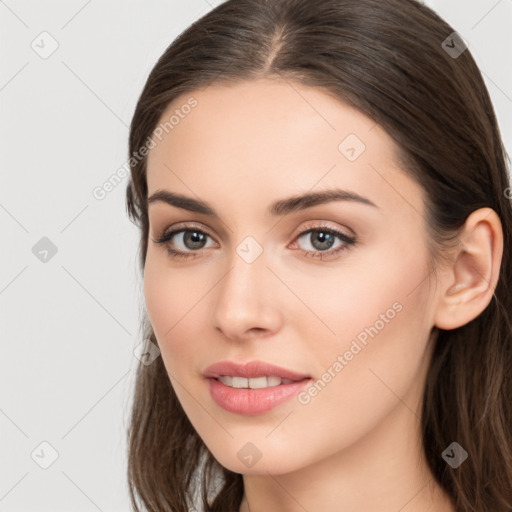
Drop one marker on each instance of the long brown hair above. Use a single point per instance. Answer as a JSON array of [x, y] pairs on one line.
[[388, 60]]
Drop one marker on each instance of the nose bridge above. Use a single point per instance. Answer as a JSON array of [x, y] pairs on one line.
[[244, 298]]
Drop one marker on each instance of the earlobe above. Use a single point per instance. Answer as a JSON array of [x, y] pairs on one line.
[[468, 284]]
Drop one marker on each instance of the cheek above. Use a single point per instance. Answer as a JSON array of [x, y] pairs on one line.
[[373, 295], [168, 293], [166, 299], [379, 317], [173, 301], [160, 302], [379, 353]]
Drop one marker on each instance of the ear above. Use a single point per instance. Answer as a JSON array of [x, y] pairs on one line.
[[469, 282]]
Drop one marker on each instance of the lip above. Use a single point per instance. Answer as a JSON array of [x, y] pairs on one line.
[[252, 401], [250, 370]]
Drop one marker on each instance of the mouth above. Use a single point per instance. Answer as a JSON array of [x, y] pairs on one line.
[[252, 383], [252, 388], [252, 370]]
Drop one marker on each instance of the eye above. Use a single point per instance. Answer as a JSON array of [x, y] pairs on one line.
[[320, 241], [192, 240]]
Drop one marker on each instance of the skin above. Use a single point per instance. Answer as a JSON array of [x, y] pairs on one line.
[[358, 440]]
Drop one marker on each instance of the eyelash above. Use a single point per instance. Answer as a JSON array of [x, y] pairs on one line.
[[348, 241]]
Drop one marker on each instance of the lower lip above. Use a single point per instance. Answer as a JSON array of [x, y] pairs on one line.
[[253, 401]]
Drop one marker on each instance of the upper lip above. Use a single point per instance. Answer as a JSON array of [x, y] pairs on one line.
[[250, 370]]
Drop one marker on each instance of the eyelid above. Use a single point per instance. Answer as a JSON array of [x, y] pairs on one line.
[[315, 225], [183, 226], [310, 225]]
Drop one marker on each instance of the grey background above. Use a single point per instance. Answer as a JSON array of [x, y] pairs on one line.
[[70, 323]]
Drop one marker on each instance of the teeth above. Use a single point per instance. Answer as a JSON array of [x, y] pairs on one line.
[[253, 383], [274, 381], [240, 382], [227, 381]]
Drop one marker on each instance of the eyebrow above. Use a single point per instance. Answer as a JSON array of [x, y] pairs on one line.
[[278, 208]]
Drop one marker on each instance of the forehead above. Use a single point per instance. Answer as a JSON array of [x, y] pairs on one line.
[[273, 137]]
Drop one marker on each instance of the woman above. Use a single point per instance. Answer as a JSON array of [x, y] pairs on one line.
[[322, 194]]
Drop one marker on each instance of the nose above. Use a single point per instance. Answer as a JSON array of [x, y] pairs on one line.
[[247, 302]]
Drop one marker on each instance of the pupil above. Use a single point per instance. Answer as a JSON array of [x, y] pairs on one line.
[[325, 238], [195, 238]]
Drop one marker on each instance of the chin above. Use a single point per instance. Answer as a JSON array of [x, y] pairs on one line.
[[257, 459]]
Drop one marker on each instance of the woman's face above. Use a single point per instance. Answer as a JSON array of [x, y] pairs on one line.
[[286, 342]]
